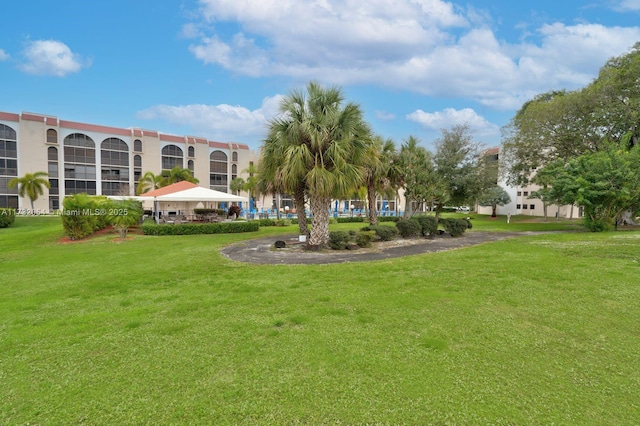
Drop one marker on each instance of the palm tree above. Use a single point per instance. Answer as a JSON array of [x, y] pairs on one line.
[[31, 185], [148, 182], [177, 174], [379, 173], [324, 142]]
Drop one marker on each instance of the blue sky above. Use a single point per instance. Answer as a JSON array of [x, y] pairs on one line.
[[218, 68]]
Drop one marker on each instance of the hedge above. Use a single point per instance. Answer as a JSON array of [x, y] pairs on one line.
[[200, 228], [455, 227], [274, 222], [428, 225], [408, 227], [7, 217]]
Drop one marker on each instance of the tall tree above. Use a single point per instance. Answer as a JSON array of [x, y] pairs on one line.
[[148, 182], [177, 174], [418, 177], [459, 164], [494, 197], [325, 143], [31, 185], [379, 176]]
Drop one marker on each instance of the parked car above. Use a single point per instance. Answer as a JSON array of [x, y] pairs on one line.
[[464, 209]]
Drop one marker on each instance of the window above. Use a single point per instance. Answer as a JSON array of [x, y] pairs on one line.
[[218, 169], [524, 207], [519, 193], [137, 145], [172, 156], [191, 152], [79, 164], [234, 156], [114, 153], [532, 206], [52, 136], [137, 168], [137, 161], [526, 193], [518, 207], [8, 166], [190, 165]]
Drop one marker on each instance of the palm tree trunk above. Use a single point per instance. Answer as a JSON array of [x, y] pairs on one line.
[[302, 216], [320, 222], [371, 197]]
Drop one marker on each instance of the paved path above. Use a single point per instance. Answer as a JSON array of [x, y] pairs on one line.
[[262, 250]]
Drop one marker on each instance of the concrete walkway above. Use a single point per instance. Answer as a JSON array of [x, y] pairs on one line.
[[262, 251]]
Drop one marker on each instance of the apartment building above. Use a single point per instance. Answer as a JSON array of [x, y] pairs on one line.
[[103, 160]]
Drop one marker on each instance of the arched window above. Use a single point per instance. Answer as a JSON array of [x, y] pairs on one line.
[[54, 174], [52, 136], [137, 145], [79, 164], [192, 152], [172, 156], [234, 156], [114, 155], [137, 168], [8, 166], [190, 165], [219, 172]]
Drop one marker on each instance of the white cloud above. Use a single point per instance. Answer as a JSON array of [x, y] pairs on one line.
[[3, 55], [51, 57], [384, 115], [425, 46], [628, 5], [450, 117], [220, 122]]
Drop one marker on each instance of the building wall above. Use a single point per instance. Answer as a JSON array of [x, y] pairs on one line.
[[33, 155]]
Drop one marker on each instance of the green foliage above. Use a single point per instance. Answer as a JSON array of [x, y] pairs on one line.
[[455, 227], [365, 238], [338, 240], [388, 218], [354, 219], [408, 228], [31, 185], [428, 225], [7, 217], [494, 197], [83, 214], [208, 211], [200, 228], [385, 233], [124, 214], [273, 222], [332, 220]]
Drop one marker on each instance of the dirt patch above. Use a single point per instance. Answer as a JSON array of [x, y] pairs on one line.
[[106, 231]]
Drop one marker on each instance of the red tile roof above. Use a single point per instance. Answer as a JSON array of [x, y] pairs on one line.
[[170, 189]]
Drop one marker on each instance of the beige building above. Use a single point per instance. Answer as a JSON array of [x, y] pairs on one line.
[[104, 160]]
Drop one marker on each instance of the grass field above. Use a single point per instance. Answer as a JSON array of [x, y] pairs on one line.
[[534, 330]]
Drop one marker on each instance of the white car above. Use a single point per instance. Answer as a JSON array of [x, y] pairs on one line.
[[464, 209]]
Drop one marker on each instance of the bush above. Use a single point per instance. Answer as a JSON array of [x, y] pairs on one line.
[[388, 218], [205, 211], [365, 238], [7, 217], [82, 215], [428, 225], [274, 222], [408, 227], [455, 227], [332, 221], [385, 233], [338, 240], [200, 228], [354, 219]]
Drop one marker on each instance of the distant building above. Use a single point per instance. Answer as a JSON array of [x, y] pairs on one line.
[[103, 160]]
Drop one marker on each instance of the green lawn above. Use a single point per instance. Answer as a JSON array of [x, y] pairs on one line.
[[164, 330]]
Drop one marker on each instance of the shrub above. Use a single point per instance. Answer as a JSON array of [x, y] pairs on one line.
[[388, 218], [83, 214], [7, 217], [204, 211], [267, 222], [200, 228], [354, 219], [428, 225], [365, 238], [455, 227], [408, 228], [338, 240], [385, 233], [332, 221]]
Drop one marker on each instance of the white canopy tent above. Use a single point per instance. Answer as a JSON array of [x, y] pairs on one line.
[[201, 194]]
